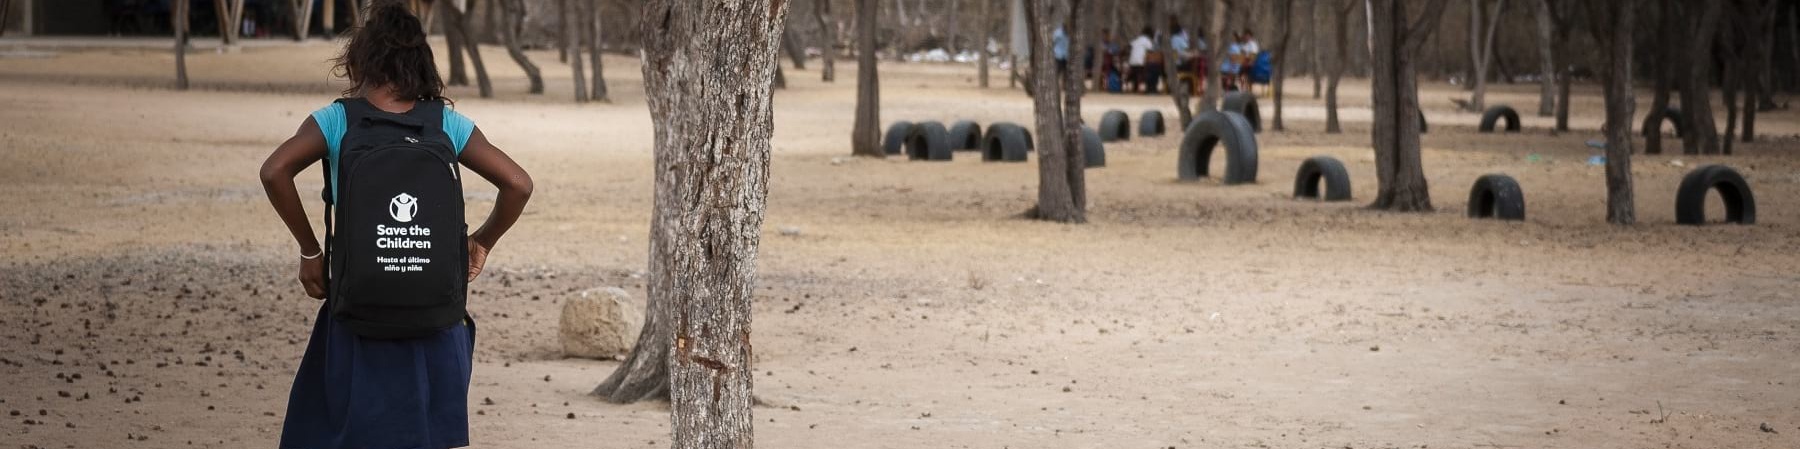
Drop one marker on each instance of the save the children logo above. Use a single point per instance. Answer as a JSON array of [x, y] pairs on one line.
[[403, 207]]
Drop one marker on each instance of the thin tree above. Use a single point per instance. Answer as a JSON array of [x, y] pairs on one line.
[[1172, 67], [592, 35], [828, 51], [1701, 135], [302, 10], [865, 136], [573, 34], [1316, 50], [1665, 55], [1340, 59], [512, 31], [1059, 174], [231, 18], [1758, 39], [987, 35], [459, 22], [1565, 76], [1209, 98], [5, 15], [453, 38], [1284, 10], [706, 71], [794, 50], [178, 19], [1481, 49], [1546, 30], [1612, 22], [1396, 44]]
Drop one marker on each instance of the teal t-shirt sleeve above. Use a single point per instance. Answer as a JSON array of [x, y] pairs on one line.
[[459, 128], [332, 124]]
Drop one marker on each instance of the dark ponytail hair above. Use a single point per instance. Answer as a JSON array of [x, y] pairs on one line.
[[390, 50]]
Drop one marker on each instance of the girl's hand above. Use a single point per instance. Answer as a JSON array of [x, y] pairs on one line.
[[312, 277], [477, 258]]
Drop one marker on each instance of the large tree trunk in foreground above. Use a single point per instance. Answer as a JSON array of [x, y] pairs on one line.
[[1546, 28], [828, 51], [513, 29], [1056, 196], [1340, 60], [865, 137], [1398, 168], [707, 70], [1702, 133], [178, 17], [1612, 27]]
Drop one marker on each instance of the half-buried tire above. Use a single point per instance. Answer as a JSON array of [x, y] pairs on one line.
[[1005, 142], [965, 135], [1092, 148], [1690, 198], [1115, 126], [929, 141], [895, 140], [1245, 104], [1150, 124], [1497, 196], [1654, 120], [1210, 130], [1326, 172], [1497, 113]]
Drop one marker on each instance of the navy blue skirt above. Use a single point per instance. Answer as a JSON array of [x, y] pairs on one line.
[[356, 393]]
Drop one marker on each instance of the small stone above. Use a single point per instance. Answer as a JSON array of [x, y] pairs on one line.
[[1766, 429], [571, 415], [790, 231], [600, 323]]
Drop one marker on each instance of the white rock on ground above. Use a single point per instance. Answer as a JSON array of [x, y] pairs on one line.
[[601, 323]]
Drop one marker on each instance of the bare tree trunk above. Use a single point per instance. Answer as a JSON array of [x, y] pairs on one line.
[[1482, 51], [574, 34], [1612, 27], [1079, 19], [987, 35], [179, 20], [794, 50], [1171, 71], [459, 22], [453, 38], [1209, 98], [1396, 102], [828, 51], [1761, 45], [1702, 133], [953, 35], [1316, 49], [1341, 38], [302, 18], [1017, 21], [865, 137], [1284, 10], [562, 22], [1056, 201], [706, 77], [592, 29], [231, 17], [1546, 27], [512, 30]]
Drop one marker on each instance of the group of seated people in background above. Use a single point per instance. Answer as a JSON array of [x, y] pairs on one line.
[[1138, 66]]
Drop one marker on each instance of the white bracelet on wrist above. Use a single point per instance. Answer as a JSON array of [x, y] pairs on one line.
[[314, 256]]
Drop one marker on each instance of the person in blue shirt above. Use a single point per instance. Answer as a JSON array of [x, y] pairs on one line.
[[1059, 47], [356, 392]]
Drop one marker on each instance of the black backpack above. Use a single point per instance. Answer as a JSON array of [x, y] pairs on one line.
[[398, 256]]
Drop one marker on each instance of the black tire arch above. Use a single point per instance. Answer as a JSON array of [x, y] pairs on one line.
[[1498, 113], [1244, 104], [1093, 147], [1326, 172], [1212, 129], [965, 135], [1497, 196], [1690, 198], [1151, 124], [1115, 126], [1005, 142], [894, 142], [928, 141]]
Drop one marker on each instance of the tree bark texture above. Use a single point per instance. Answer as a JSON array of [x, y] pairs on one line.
[[1546, 28], [1340, 60], [987, 35], [828, 51], [1284, 10], [1398, 168], [1612, 28], [513, 29], [865, 136], [1702, 133], [1056, 201], [707, 68], [597, 91], [1078, 20]]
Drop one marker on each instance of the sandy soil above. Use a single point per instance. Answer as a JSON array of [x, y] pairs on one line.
[[147, 300]]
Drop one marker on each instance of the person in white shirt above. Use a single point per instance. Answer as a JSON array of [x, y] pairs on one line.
[[1248, 51], [1140, 51]]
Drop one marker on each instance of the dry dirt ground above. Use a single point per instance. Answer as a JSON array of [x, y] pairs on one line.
[[147, 298]]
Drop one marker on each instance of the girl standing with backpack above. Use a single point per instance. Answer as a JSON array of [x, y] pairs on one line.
[[389, 360]]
